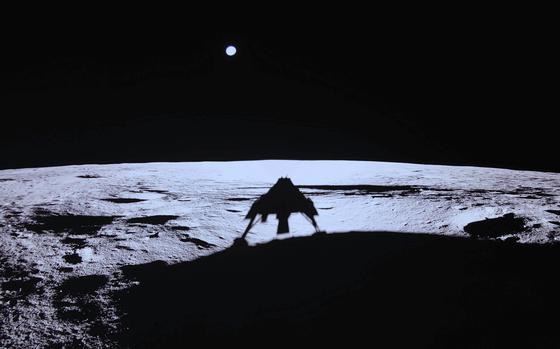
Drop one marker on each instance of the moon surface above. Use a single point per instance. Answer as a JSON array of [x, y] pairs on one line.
[[61, 223]]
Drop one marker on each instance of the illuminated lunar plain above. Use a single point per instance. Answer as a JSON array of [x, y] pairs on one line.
[[58, 223]]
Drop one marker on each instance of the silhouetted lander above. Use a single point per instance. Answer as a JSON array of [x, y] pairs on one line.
[[282, 199]]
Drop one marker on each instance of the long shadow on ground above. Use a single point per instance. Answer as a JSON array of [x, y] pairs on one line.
[[412, 290]]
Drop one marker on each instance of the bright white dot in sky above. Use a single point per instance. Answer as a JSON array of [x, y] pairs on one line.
[[231, 50]]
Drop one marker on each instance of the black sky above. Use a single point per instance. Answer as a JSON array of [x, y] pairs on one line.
[[456, 89]]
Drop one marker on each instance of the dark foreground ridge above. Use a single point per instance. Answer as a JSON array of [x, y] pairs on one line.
[[380, 288]]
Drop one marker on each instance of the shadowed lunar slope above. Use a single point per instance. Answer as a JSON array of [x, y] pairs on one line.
[[410, 290]]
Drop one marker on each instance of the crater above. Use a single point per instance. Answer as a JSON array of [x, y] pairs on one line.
[[24, 286], [89, 176], [73, 301], [496, 227], [123, 200], [82, 284], [200, 244], [158, 191], [133, 272], [17, 280], [181, 228], [77, 242], [77, 224], [73, 258], [156, 220], [363, 189]]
